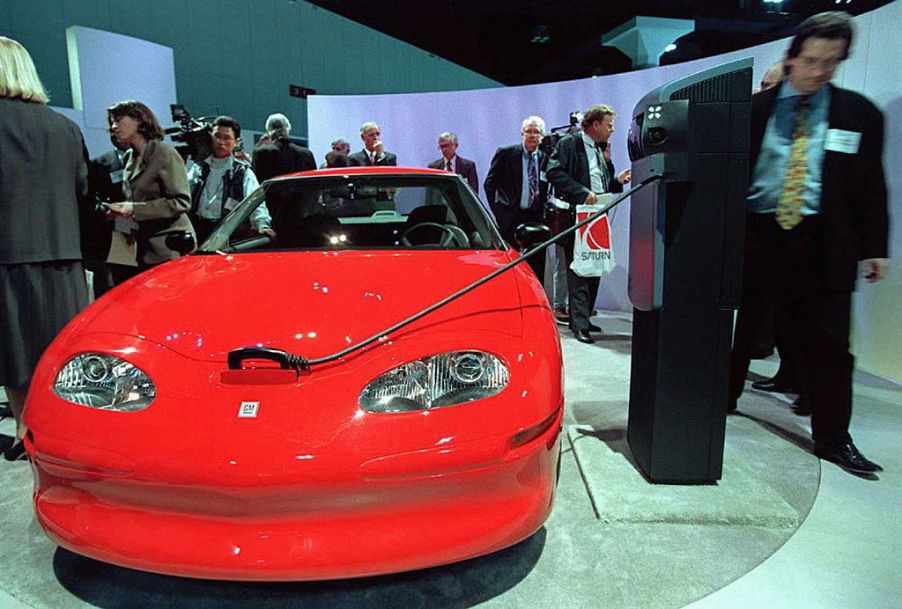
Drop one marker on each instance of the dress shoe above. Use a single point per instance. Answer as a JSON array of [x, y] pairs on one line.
[[6, 442], [16, 452], [594, 328], [776, 385], [847, 457], [583, 336], [802, 406], [561, 316]]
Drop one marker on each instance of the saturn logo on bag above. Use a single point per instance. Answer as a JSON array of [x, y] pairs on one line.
[[596, 235], [593, 255]]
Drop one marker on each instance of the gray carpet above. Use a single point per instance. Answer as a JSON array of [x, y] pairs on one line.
[[620, 493], [649, 546]]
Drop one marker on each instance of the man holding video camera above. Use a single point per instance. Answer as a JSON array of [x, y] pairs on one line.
[[221, 181]]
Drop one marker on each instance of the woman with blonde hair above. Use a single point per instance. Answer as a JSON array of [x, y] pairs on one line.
[[43, 177]]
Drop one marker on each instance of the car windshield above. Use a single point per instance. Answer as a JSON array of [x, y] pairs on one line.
[[352, 211]]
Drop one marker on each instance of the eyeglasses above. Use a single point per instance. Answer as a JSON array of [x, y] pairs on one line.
[[809, 63]]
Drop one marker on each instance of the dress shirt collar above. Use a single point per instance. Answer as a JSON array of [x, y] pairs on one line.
[[815, 99], [588, 141]]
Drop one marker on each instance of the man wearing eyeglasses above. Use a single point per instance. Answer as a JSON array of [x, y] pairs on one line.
[[450, 161], [817, 211], [516, 187]]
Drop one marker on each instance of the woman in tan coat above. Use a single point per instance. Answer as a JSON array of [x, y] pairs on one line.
[[155, 183]]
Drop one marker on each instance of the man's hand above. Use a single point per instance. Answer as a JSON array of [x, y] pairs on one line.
[[875, 269], [625, 176], [265, 230], [591, 199], [125, 209], [378, 147]]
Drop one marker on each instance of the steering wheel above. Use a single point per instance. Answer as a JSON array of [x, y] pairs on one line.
[[449, 235]]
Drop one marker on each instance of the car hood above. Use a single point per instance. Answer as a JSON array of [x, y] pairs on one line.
[[310, 303]]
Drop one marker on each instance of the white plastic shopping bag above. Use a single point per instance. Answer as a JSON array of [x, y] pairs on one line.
[[593, 250]]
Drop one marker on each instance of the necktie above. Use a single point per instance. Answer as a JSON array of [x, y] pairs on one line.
[[602, 166], [447, 165], [533, 176], [789, 206]]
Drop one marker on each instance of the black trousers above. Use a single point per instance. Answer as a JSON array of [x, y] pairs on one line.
[[581, 291], [787, 270]]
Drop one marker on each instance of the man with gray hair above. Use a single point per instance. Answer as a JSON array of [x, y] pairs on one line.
[[373, 152], [339, 146], [450, 161], [280, 155], [516, 188]]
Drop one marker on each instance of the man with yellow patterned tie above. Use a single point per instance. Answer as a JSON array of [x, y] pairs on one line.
[[817, 209]]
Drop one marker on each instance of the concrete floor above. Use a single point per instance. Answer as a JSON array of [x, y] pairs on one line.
[[780, 530]]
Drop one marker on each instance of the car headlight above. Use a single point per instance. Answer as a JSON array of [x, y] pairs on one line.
[[104, 381], [434, 382]]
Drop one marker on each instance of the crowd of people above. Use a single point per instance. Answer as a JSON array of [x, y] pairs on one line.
[[817, 207]]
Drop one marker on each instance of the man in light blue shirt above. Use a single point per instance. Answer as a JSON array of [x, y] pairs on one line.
[[817, 214]]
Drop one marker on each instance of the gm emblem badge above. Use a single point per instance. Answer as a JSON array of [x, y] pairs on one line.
[[248, 410]]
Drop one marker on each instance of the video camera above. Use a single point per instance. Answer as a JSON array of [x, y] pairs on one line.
[[193, 133], [551, 139]]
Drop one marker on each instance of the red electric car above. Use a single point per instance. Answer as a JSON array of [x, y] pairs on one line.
[[276, 409]]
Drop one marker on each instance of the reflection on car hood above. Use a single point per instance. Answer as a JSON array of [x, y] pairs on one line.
[[310, 303]]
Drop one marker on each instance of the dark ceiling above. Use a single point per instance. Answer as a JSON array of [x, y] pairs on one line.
[[499, 38]]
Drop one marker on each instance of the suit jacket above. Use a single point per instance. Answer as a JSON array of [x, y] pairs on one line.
[[160, 183], [464, 168], [853, 191], [43, 180], [504, 187], [568, 171], [362, 159], [281, 157]]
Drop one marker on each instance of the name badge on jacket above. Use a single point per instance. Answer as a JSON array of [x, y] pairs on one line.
[[840, 140]]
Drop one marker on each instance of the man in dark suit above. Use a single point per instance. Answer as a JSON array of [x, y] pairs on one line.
[[280, 155], [373, 152], [516, 188], [450, 161], [817, 207], [580, 168]]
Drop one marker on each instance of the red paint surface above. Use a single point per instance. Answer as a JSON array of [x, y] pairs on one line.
[[313, 487]]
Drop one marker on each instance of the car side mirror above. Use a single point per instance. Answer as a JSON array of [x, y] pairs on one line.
[[180, 241], [530, 234]]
